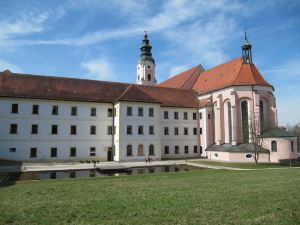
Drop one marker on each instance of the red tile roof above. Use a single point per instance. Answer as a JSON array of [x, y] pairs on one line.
[[231, 73], [184, 80], [134, 93], [71, 89], [172, 97], [204, 103]]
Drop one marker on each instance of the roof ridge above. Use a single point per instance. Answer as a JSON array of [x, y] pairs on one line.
[[124, 92], [137, 86], [197, 67], [252, 73], [131, 87], [66, 78], [237, 74]]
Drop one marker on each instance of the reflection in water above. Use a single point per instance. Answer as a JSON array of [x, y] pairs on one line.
[[43, 175]]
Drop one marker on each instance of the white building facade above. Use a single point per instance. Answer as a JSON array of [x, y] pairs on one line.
[[194, 114]]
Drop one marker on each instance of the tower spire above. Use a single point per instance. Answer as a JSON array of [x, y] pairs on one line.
[[146, 63], [246, 51]]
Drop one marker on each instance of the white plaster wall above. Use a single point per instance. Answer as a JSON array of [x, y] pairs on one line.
[[44, 140], [143, 71], [180, 140], [135, 139]]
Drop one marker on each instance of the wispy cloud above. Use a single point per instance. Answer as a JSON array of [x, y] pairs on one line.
[[26, 24], [99, 69], [289, 70]]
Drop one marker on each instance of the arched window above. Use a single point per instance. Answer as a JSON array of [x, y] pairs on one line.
[[149, 77], [274, 146], [245, 123], [140, 150], [216, 122], [151, 149], [227, 121], [129, 150], [261, 115]]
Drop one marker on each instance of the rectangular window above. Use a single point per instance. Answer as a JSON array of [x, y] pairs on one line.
[[34, 129], [185, 115], [208, 116], [176, 149], [14, 108], [129, 129], [166, 115], [53, 152], [74, 111], [292, 146], [194, 116], [176, 131], [35, 109], [92, 151], [195, 148], [167, 150], [93, 130], [111, 130], [200, 115], [109, 112], [166, 130], [33, 152], [151, 112], [93, 111], [140, 111], [186, 131], [73, 129], [195, 130], [151, 130], [175, 115], [13, 128], [54, 129], [72, 152], [55, 110], [141, 130], [12, 149], [200, 130], [186, 149], [200, 149], [129, 111]]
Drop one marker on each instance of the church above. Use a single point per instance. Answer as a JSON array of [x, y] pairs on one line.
[[221, 113]]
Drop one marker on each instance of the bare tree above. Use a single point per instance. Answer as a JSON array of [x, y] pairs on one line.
[[256, 128]]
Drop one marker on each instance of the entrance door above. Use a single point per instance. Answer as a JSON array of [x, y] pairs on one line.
[[109, 155]]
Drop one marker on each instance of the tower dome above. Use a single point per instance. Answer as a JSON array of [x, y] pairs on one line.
[[146, 64]]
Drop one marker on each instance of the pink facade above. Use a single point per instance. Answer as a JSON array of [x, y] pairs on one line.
[[233, 99]]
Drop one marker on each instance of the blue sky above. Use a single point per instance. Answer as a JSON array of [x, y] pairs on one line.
[[101, 39]]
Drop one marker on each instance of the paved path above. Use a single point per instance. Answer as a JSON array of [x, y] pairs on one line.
[[83, 166], [112, 166]]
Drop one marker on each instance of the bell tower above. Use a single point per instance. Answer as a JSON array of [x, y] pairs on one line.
[[146, 64], [246, 50]]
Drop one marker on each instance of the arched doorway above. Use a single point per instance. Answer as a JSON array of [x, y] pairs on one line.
[[140, 150]]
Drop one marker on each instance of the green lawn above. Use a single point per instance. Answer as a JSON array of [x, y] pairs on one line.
[[242, 165], [196, 197]]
